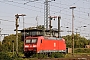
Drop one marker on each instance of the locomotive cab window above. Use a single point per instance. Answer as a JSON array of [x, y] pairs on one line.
[[31, 41], [28, 41], [34, 41]]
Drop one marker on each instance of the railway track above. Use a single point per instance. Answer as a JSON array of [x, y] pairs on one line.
[[82, 57], [66, 59], [76, 58]]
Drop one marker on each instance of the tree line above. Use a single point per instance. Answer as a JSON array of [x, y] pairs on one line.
[[79, 41]]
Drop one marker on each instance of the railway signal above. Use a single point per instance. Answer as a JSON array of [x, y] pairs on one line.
[[17, 25], [51, 17]]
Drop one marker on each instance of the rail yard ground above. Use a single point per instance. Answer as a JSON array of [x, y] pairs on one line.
[[76, 56], [81, 56]]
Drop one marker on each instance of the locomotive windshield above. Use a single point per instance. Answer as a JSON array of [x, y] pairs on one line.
[[31, 40]]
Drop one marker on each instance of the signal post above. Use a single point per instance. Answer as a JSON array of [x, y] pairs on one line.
[[17, 25], [51, 17]]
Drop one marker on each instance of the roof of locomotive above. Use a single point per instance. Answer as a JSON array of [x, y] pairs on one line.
[[50, 38], [53, 38]]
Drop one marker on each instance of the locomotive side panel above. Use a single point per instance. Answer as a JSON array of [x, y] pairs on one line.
[[46, 45], [62, 46]]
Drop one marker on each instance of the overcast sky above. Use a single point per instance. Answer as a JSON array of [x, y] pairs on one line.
[[9, 8]]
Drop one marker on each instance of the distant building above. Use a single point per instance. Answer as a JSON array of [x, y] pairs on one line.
[[38, 32]]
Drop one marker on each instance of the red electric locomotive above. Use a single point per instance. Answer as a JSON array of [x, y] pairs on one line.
[[35, 42], [41, 44]]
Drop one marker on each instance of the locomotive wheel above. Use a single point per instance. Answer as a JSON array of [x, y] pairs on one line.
[[26, 54]]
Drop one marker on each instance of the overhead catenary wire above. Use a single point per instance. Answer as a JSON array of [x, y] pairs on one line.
[[57, 12], [41, 8], [33, 6], [19, 22], [65, 13]]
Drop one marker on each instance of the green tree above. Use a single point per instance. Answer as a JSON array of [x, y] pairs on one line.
[[79, 42], [4, 56], [38, 27], [7, 43], [68, 40]]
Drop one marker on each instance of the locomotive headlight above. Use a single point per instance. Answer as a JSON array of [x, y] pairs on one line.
[[26, 46], [34, 45]]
